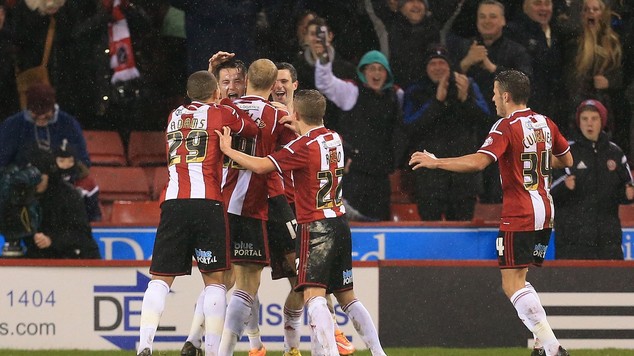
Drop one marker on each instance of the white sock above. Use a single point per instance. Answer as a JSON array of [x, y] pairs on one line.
[[214, 308], [238, 313], [292, 325], [198, 322], [362, 322], [530, 287], [533, 315], [151, 310], [253, 326], [322, 330]]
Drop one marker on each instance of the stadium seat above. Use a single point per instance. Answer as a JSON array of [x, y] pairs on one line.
[[140, 213], [626, 214], [401, 183], [487, 213], [404, 212], [159, 180], [105, 148], [121, 183], [147, 148]]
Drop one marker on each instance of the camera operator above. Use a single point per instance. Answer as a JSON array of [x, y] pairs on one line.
[[443, 113], [65, 231], [19, 210]]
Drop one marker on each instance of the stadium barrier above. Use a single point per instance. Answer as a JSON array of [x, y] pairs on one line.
[[95, 305]]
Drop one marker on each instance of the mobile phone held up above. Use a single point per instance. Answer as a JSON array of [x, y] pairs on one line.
[[322, 33]]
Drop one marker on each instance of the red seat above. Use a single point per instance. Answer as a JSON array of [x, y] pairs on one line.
[[626, 214], [141, 213], [121, 183], [147, 148], [159, 181], [487, 213], [402, 185], [105, 148], [404, 212]]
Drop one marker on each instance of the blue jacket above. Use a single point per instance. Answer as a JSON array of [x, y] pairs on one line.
[[18, 134]]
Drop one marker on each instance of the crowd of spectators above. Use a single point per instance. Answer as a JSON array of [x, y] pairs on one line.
[[121, 65]]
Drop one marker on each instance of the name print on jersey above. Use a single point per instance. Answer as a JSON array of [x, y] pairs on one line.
[[538, 135], [187, 121]]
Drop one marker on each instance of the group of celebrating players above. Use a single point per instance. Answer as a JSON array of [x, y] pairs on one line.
[[252, 183]]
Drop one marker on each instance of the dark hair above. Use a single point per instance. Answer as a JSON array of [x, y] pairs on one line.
[[515, 83], [289, 67], [201, 85], [311, 105], [492, 2], [232, 63]]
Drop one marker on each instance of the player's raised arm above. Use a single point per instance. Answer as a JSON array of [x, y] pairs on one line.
[[468, 163], [259, 165]]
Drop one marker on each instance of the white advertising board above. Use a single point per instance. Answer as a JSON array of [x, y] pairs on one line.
[[98, 308]]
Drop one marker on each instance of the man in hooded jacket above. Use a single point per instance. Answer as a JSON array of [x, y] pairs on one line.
[[371, 126]]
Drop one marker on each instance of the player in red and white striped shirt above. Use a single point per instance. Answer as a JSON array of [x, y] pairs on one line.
[[193, 220], [246, 195], [325, 260], [526, 145]]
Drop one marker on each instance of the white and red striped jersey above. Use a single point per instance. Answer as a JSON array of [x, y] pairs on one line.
[[194, 156], [317, 162], [245, 193], [522, 143]]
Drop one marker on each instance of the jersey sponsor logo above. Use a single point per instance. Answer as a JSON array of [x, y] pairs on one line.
[[205, 257], [536, 125], [540, 250], [347, 277], [331, 144], [488, 141], [245, 249]]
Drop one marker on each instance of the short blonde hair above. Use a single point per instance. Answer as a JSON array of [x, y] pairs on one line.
[[262, 74]]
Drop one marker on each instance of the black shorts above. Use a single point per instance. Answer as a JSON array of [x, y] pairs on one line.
[[281, 229], [248, 240], [190, 227], [325, 255], [519, 249]]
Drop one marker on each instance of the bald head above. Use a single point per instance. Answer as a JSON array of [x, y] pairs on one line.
[[262, 74]]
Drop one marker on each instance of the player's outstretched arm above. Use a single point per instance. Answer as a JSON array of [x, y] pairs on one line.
[[259, 165], [464, 164]]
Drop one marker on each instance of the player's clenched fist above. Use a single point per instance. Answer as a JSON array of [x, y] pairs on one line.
[[423, 160]]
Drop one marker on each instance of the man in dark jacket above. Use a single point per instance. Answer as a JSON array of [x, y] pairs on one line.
[[587, 195], [490, 53], [65, 231], [536, 30], [318, 42], [371, 126], [443, 113]]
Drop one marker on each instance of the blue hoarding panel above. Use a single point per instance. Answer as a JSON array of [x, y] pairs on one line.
[[368, 243]]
